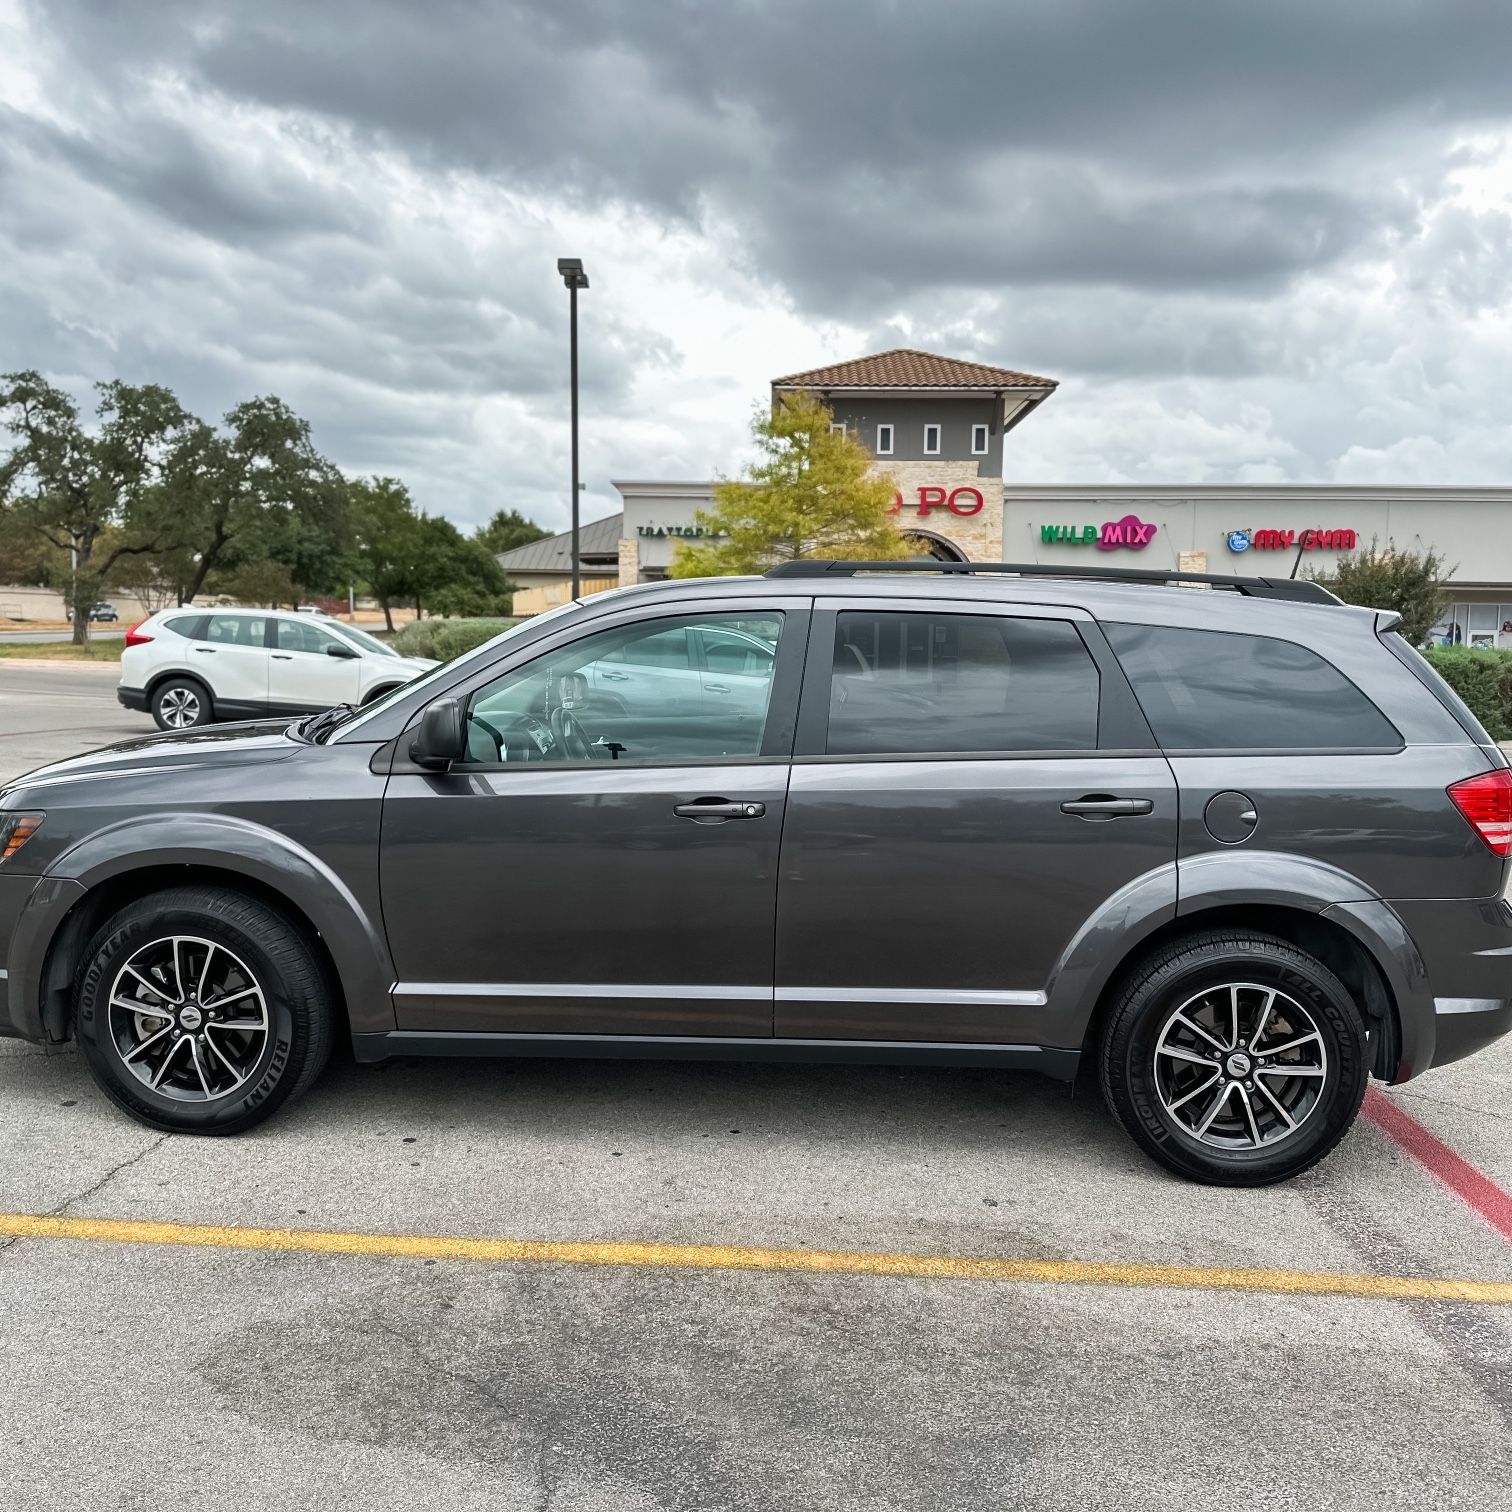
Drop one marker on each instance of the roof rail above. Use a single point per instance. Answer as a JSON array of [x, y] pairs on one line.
[[1296, 590]]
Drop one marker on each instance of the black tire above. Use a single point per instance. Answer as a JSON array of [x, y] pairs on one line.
[[181, 703], [292, 995], [378, 693], [1201, 969]]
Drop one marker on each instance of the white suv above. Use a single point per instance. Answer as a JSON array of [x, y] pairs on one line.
[[191, 666]]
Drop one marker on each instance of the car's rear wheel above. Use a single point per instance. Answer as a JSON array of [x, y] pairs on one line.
[[1235, 1058], [180, 703], [202, 1011]]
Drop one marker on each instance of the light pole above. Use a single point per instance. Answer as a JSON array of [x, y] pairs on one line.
[[571, 269]]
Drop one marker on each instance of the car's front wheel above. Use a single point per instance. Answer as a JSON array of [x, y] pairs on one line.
[[180, 703], [202, 1011], [1235, 1058]]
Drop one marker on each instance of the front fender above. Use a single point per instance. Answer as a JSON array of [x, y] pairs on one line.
[[350, 930]]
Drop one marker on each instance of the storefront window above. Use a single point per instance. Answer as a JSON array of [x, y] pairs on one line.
[[1482, 625], [1484, 619]]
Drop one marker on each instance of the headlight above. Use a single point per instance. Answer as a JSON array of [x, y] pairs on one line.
[[15, 830]]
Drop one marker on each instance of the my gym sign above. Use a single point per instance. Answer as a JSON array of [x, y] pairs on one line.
[[1130, 532], [1283, 540]]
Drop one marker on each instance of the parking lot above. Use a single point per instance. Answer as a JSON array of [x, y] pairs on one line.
[[753, 1287]]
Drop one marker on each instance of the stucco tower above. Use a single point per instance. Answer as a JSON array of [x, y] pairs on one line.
[[937, 426]]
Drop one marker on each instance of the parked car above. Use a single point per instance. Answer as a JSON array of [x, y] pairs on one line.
[[189, 667], [1231, 852], [98, 613]]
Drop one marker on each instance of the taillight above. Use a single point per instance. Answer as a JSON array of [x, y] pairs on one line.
[[1486, 801], [134, 636]]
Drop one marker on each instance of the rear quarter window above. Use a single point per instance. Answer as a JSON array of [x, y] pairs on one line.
[[1214, 690], [1431, 679]]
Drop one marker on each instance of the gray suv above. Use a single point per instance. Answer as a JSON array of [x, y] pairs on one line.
[[1225, 843]]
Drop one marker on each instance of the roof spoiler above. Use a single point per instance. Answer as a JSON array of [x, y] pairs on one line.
[[1295, 590]]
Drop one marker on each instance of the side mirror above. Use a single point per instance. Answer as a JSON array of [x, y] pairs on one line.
[[442, 736], [346, 653]]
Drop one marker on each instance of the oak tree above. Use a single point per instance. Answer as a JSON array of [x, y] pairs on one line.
[[811, 493]]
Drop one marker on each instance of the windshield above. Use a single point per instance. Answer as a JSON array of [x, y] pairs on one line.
[[361, 639], [359, 717]]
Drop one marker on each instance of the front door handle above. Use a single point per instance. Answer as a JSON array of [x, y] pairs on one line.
[[716, 687], [615, 676], [283, 656], [1097, 806], [717, 810]]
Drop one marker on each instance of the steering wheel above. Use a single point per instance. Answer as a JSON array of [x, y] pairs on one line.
[[569, 733]]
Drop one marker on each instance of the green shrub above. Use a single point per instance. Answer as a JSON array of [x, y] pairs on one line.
[[1483, 678], [445, 639]]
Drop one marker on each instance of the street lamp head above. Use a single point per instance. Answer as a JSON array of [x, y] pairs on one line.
[[571, 269]]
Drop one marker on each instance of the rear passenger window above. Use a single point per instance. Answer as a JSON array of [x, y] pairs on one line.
[[1207, 690], [190, 626], [233, 630], [904, 684]]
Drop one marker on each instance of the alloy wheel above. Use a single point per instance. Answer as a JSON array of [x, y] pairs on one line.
[[188, 1019], [1240, 1066], [180, 708]]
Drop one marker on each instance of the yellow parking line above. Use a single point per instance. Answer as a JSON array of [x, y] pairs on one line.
[[735, 1257]]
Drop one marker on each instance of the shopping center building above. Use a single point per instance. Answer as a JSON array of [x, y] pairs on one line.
[[941, 429]]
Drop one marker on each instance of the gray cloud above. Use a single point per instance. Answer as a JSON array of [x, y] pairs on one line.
[[933, 145], [1242, 213]]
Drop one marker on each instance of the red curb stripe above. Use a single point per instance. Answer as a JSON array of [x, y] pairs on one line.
[[1474, 1188]]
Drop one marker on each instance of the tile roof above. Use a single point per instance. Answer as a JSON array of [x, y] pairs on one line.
[[903, 368], [597, 538]]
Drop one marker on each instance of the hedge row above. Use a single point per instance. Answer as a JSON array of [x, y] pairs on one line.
[[1483, 679], [444, 639]]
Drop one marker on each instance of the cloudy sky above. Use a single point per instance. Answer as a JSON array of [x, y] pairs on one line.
[[1261, 241]]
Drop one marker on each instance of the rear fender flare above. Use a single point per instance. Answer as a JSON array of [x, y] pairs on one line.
[[1097, 949]]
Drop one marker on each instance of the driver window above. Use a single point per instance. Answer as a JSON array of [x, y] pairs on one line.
[[296, 635], [643, 692]]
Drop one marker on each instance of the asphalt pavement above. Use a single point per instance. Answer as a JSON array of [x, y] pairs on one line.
[[178, 1375], [47, 712]]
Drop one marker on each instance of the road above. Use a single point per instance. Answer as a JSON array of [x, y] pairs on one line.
[[26, 637], [184, 1375], [47, 712]]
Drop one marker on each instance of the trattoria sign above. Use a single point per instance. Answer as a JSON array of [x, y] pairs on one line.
[[1130, 531], [1284, 540], [930, 497]]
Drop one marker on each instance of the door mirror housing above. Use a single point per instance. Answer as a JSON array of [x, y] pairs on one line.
[[345, 653], [442, 736]]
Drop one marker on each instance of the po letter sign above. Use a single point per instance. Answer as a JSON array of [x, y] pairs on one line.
[[959, 501]]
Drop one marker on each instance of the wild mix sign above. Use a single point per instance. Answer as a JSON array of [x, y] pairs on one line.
[[1130, 532]]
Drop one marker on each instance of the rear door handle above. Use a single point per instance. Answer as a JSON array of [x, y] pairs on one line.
[[718, 810], [1095, 806], [716, 687], [205, 650], [615, 676]]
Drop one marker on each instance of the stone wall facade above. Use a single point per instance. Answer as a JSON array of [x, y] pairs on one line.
[[928, 490], [629, 561]]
